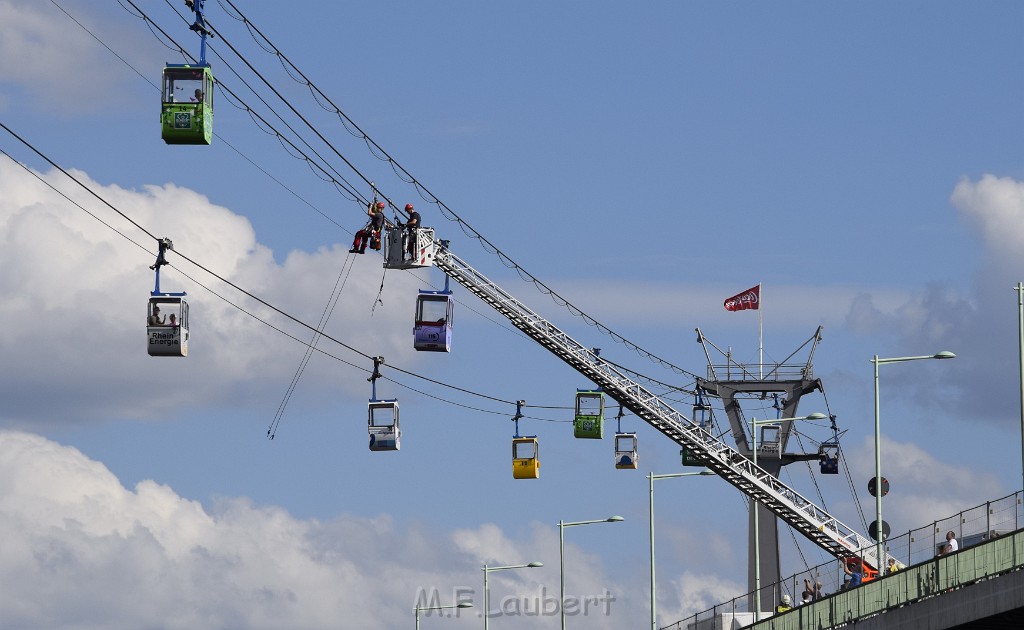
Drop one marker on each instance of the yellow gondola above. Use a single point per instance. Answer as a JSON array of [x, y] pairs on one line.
[[525, 450], [525, 457]]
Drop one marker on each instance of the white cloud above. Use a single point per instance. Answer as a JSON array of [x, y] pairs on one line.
[[977, 324], [696, 592], [81, 550], [73, 295], [995, 206]]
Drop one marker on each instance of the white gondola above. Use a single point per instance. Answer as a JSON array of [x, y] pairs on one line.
[[626, 455], [382, 424], [397, 251], [432, 331], [166, 314], [167, 326]]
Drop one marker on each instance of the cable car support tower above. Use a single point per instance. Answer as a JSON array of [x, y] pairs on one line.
[[786, 382]]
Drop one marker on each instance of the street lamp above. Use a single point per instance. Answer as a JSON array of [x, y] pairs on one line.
[[488, 569], [879, 535], [561, 555], [419, 608], [757, 531], [650, 481]]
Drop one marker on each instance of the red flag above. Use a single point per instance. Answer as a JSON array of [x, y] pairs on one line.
[[751, 298]]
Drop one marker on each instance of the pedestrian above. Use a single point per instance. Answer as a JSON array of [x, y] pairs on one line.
[[950, 546], [784, 604], [814, 590], [854, 572]]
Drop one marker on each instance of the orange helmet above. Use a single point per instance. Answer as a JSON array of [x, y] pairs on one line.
[[408, 207]]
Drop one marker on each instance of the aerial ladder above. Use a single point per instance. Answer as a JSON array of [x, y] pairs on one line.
[[757, 483]]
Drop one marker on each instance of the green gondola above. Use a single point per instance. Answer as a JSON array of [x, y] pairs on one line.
[[186, 115], [589, 421]]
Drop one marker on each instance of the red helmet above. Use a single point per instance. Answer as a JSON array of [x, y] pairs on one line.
[[380, 204], [408, 207]]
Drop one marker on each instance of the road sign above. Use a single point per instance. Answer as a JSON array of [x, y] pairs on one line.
[[873, 530], [872, 485]]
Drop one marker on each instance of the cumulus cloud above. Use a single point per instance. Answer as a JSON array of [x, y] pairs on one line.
[[995, 207], [978, 324], [73, 296], [696, 592], [81, 550]]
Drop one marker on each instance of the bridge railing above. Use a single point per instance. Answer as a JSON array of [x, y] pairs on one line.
[[994, 557], [973, 526]]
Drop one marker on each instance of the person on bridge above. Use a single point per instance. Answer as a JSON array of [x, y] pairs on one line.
[[813, 590], [854, 572], [784, 604], [950, 546]]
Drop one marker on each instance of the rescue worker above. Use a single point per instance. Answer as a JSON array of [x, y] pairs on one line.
[[412, 226], [371, 231]]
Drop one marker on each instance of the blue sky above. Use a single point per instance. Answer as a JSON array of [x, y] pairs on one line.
[[862, 161]]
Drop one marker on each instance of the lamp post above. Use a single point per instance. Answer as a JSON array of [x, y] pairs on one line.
[[419, 608], [561, 555], [488, 569], [650, 481], [755, 423], [879, 535], [1020, 338]]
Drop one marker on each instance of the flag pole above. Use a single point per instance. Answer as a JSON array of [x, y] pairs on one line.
[[760, 331]]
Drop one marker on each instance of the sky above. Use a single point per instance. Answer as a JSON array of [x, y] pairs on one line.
[[861, 161]]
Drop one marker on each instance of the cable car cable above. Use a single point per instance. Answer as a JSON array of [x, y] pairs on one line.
[[342, 157], [218, 136], [230, 283], [259, 119], [346, 187], [283, 100], [149, 21], [523, 273], [400, 170], [332, 302]]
